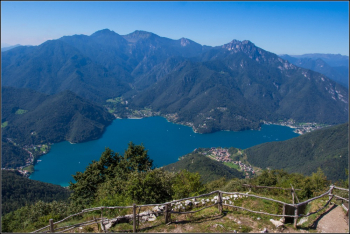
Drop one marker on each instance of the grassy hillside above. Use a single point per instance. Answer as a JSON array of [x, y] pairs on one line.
[[325, 148], [18, 191], [208, 169]]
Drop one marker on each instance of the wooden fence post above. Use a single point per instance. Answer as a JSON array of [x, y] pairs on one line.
[[295, 194], [51, 226], [167, 213], [134, 217], [220, 203], [98, 227], [102, 224], [284, 213], [330, 193], [295, 216]]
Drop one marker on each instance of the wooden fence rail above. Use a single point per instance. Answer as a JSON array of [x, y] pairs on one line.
[[269, 187], [168, 209], [251, 195]]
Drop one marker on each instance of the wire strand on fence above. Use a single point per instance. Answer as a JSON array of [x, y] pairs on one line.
[[269, 187], [188, 212], [251, 195], [259, 212], [188, 198], [78, 224]]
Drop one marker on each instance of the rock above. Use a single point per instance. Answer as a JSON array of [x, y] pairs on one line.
[[258, 218], [239, 222], [264, 231], [276, 223], [152, 218], [218, 225]]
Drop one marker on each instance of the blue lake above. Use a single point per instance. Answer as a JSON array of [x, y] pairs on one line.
[[165, 143]]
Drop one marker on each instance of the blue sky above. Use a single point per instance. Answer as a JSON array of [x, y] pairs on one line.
[[280, 27]]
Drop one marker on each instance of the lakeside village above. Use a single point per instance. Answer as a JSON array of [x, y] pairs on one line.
[[224, 156], [299, 128], [34, 151]]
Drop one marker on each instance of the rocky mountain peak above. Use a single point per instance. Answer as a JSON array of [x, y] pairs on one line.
[[184, 41], [239, 46]]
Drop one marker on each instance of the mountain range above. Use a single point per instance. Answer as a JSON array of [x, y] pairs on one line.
[[5, 47], [335, 67], [235, 86]]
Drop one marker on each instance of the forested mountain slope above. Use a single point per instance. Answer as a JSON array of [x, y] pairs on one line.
[[236, 86], [12, 156], [208, 169], [325, 148], [338, 71], [55, 66], [18, 191], [35, 118]]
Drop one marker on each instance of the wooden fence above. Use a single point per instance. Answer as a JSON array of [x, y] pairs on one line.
[[168, 209]]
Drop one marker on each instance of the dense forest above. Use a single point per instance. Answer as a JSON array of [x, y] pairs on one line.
[[12, 156], [18, 191], [325, 148]]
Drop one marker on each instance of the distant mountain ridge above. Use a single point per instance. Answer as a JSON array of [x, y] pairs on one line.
[[235, 86], [9, 47], [334, 66]]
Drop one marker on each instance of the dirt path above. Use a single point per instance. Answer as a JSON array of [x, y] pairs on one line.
[[333, 221]]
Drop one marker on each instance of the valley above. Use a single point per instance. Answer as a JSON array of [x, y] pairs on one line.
[[229, 112]]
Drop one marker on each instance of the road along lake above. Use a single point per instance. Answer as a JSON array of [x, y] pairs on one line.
[[165, 142]]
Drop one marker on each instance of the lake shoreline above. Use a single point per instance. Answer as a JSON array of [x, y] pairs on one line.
[[165, 141]]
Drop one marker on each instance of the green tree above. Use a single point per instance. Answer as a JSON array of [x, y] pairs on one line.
[[111, 167], [319, 181], [153, 186], [186, 184]]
